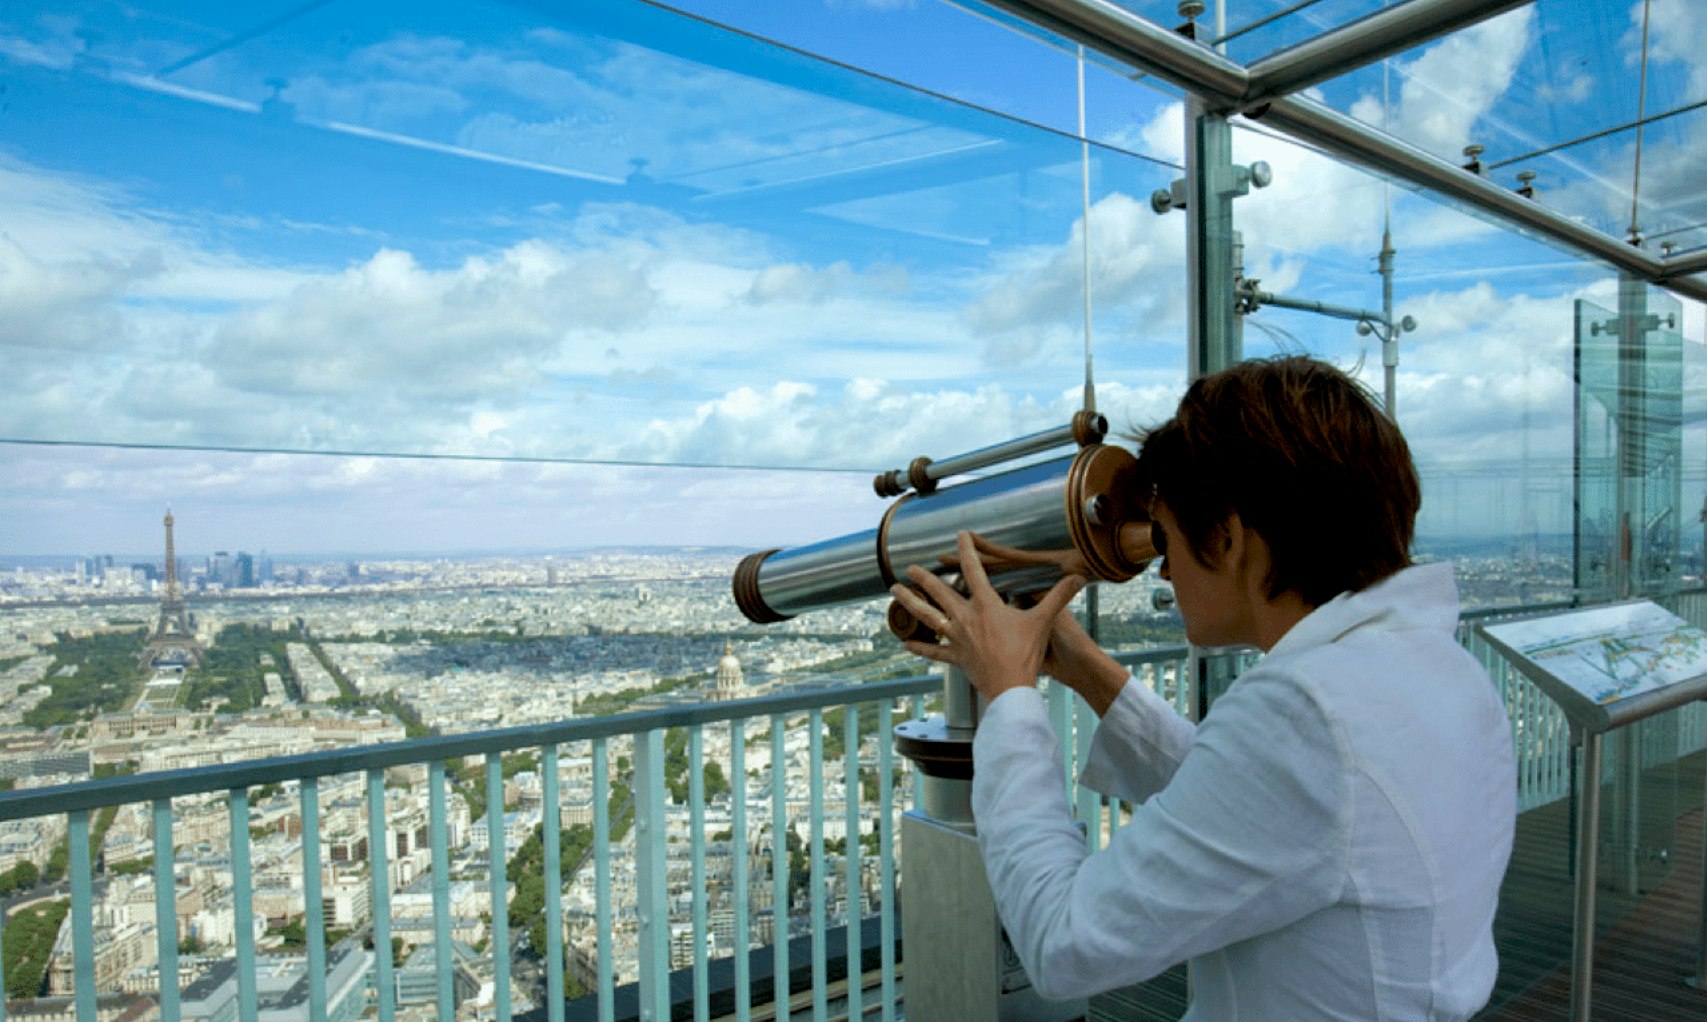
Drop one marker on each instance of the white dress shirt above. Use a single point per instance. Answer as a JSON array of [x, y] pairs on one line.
[[1328, 844]]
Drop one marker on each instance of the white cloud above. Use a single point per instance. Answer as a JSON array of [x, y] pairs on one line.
[[1675, 31], [1453, 84], [1037, 296]]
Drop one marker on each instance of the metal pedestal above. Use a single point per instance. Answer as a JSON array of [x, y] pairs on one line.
[[960, 966]]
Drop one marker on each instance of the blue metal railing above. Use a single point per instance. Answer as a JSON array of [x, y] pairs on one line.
[[1543, 752]]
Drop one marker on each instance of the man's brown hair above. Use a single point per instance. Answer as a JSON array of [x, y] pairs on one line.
[[1301, 453]]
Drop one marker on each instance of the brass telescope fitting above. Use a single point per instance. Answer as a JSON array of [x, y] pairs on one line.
[[922, 474]]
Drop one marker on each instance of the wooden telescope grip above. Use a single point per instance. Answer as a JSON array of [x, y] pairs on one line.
[[1131, 538]]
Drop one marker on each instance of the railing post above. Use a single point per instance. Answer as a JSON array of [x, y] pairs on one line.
[[243, 906], [601, 880], [82, 913], [815, 869], [1588, 866], [499, 886], [166, 909], [315, 908], [781, 985], [852, 860], [379, 896], [443, 955], [1089, 809], [1699, 980], [696, 813], [886, 854], [552, 836], [651, 890], [738, 869]]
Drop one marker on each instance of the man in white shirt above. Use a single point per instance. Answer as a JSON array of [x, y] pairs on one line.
[[1329, 842]]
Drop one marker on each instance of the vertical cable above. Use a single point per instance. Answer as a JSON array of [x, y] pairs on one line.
[[1085, 232], [1641, 109]]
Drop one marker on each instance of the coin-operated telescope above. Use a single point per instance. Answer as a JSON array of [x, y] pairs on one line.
[[1080, 513]]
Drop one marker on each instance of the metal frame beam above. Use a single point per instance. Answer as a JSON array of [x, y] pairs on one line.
[[1351, 139], [1116, 32], [1365, 41], [1684, 265], [1224, 83]]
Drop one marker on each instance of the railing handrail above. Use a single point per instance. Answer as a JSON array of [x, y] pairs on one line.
[[96, 794], [146, 787]]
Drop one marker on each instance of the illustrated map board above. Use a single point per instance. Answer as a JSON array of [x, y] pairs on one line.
[[1610, 665]]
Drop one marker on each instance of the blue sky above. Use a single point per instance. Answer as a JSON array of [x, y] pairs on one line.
[[625, 236]]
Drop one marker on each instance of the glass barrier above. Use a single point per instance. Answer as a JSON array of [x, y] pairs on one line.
[[611, 233]]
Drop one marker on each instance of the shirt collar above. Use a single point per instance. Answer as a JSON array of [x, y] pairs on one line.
[[1422, 596]]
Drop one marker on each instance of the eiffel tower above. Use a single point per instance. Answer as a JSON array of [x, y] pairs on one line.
[[174, 641]]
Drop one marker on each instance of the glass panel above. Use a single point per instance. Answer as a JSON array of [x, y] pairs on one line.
[[1660, 555], [963, 50], [1596, 452], [1483, 383], [1640, 806], [614, 234], [1547, 75]]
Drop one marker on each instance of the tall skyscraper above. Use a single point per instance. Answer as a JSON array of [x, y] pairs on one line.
[[219, 568]]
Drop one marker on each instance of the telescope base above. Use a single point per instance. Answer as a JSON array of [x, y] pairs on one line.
[[943, 757], [960, 965]]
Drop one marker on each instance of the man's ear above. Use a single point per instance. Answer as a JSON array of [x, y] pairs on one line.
[[1233, 539]]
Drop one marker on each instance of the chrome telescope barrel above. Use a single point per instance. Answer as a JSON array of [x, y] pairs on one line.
[[1071, 513]]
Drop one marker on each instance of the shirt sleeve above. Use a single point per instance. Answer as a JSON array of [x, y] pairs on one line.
[[1138, 745], [1250, 834]]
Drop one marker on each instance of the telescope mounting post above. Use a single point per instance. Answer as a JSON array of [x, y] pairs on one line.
[[960, 963]]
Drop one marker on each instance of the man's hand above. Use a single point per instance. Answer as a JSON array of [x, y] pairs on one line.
[[997, 645], [1076, 661]]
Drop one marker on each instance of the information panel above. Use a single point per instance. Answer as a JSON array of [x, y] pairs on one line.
[[1608, 665]]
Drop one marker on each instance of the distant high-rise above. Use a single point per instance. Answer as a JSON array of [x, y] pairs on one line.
[[173, 641], [243, 571]]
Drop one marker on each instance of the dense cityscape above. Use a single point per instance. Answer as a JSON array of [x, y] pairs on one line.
[[284, 656]]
